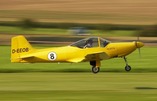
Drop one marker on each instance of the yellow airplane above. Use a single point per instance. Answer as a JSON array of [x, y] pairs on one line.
[[93, 50]]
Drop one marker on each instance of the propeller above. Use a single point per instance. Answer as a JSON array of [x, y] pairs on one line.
[[139, 50], [139, 45]]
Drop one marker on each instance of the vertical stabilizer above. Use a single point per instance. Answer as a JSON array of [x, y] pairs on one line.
[[19, 46]]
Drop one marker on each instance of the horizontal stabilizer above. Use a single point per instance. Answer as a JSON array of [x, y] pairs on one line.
[[26, 56]]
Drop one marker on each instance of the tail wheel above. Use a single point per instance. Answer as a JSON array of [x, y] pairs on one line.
[[95, 69]]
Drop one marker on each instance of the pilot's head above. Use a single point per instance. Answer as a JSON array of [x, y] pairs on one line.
[[90, 41]]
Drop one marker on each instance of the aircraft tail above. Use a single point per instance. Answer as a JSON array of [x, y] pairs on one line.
[[19, 47]]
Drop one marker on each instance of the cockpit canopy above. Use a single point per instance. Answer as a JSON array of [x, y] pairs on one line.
[[91, 42]]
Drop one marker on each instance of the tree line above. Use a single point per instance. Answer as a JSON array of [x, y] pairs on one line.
[[143, 30]]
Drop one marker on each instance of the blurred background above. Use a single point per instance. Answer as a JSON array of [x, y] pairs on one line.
[[61, 18]]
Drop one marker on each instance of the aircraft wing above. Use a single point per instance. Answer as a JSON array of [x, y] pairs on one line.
[[90, 57], [76, 60], [96, 56]]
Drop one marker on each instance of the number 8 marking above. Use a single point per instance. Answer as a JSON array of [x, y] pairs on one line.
[[52, 56]]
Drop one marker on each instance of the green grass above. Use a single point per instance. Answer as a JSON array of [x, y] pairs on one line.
[[147, 63], [78, 87], [75, 82], [114, 33], [18, 30]]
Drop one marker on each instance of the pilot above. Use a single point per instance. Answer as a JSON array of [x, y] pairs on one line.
[[105, 43], [88, 43]]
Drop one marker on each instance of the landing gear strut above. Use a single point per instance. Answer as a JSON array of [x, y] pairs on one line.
[[95, 66], [127, 67]]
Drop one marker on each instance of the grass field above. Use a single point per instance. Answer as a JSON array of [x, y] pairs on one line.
[[55, 31], [75, 82], [78, 87], [82, 11], [18, 30], [147, 63]]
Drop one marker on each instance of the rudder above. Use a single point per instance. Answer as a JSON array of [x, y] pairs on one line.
[[19, 46]]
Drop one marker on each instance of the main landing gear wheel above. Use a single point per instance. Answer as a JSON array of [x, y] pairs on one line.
[[95, 69], [127, 68], [95, 66]]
